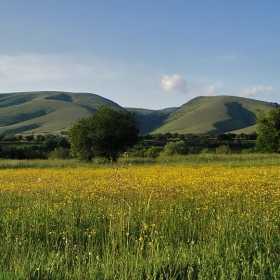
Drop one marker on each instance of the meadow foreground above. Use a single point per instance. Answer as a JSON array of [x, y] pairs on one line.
[[154, 222]]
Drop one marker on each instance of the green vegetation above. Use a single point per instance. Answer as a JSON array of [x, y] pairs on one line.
[[150, 120], [175, 206], [215, 115], [268, 140], [105, 134], [204, 159], [46, 112], [175, 148], [153, 152], [131, 222], [55, 112], [55, 146], [33, 147]]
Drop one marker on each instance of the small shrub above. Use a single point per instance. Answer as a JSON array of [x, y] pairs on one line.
[[172, 148], [248, 151], [204, 157], [205, 151], [153, 152], [224, 149], [60, 153]]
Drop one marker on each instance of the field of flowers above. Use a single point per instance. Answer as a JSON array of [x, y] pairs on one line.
[[154, 222]]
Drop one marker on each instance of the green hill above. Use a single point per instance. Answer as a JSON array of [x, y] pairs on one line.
[[46, 112], [54, 112], [150, 119], [215, 114]]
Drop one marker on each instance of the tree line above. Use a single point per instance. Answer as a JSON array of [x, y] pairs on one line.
[[110, 133], [33, 147]]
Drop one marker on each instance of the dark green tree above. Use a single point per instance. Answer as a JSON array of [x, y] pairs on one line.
[[268, 140], [63, 143], [50, 142], [2, 136], [105, 134]]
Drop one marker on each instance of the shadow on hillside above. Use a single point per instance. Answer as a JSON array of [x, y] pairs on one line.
[[239, 118], [7, 100], [60, 96], [151, 122]]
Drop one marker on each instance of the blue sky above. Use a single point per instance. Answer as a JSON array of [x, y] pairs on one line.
[[142, 53]]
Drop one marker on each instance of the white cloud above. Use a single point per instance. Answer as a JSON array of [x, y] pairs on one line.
[[128, 84], [174, 83], [248, 92], [210, 90]]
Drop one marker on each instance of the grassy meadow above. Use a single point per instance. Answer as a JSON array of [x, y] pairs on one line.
[[200, 217]]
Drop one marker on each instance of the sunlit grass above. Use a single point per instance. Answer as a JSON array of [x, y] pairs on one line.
[[176, 160], [140, 222]]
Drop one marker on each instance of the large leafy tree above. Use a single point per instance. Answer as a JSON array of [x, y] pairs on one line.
[[268, 140], [106, 134]]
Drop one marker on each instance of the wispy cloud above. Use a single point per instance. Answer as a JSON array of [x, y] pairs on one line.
[[31, 67], [53, 67], [254, 91], [79, 72], [129, 84], [210, 90], [175, 83]]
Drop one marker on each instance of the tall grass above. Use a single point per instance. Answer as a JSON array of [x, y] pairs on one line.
[[176, 160], [151, 222], [209, 159]]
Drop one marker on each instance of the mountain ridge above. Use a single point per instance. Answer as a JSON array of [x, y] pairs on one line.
[[41, 112]]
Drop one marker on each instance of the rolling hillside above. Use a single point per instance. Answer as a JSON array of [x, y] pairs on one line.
[[54, 112], [215, 114], [151, 119], [46, 112]]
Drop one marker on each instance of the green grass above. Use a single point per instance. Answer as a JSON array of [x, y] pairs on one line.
[[176, 160], [71, 230]]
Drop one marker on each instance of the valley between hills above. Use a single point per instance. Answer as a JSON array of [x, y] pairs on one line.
[[54, 112]]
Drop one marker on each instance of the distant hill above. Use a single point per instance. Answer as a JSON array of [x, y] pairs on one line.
[[215, 114], [46, 111], [150, 120], [54, 112]]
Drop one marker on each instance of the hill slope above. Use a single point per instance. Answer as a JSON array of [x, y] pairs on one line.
[[216, 114], [46, 112], [151, 119], [54, 112]]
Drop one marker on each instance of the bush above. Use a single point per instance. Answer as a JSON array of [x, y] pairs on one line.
[[32, 152], [153, 152], [60, 153], [248, 151], [172, 148], [29, 138], [11, 138], [205, 151], [224, 149]]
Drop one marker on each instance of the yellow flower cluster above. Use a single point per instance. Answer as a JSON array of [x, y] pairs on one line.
[[86, 213], [202, 184], [204, 188]]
